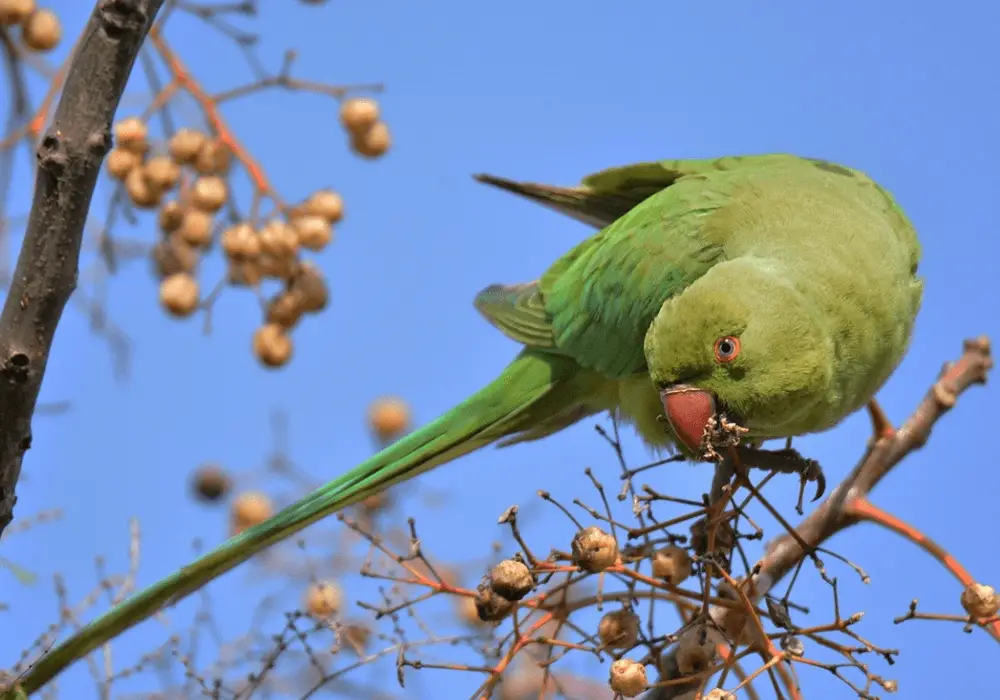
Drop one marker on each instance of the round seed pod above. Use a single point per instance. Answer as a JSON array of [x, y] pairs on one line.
[[628, 678], [213, 158], [131, 134], [170, 216], [512, 579], [326, 204], [389, 418], [240, 242], [490, 605], [41, 31], [323, 599], [196, 228], [172, 256], [594, 550], [140, 191], [209, 193], [272, 345], [980, 601], [313, 232], [695, 651], [619, 629], [162, 172], [308, 284], [278, 240], [185, 145], [211, 483], [250, 508], [672, 564], [179, 294], [358, 114], [120, 162], [373, 143], [284, 309], [13, 12]]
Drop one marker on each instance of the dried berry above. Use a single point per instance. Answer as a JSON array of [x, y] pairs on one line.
[[490, 605], [695, 651], [185, 145], [323, 599], [308, 284], [628, 678], [980, 601], [211, 483], [278, 240], [619, 629], [172, 255], [196, 228], [594, 550], [512, 579], [131, 134], [272, 345], [279, 268], [140, 191], [249, 509], [240, 242], [326, 204], [213, 158], [41, 31], [209, 193], [171, 216], [179, 294], [162, 172], [389, 418], [13, 12], [373, 143], [358, 114], [672, 564], [313, 232], [121, 162], [284, 309]]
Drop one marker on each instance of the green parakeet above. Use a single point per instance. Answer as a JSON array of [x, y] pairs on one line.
[[780, 291]]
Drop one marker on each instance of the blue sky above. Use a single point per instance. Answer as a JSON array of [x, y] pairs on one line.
[[549, 92]]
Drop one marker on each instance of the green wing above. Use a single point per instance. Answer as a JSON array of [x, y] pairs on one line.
[[596, 303], [604, 196]]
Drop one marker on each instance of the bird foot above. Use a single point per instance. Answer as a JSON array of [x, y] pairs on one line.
[[786, 461]]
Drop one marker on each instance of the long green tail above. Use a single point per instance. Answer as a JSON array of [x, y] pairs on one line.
[[537, 389]]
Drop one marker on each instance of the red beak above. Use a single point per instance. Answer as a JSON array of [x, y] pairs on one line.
[[687, 410]]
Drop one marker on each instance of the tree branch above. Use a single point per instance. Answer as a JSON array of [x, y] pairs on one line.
[[69, 161], [836, 513]]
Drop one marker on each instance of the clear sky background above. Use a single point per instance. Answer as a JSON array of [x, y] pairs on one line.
[[549, 92]]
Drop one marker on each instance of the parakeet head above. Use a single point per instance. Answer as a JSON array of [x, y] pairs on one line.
[[740, 341]]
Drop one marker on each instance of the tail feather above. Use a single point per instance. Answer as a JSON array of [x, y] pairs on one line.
[[535, 388]]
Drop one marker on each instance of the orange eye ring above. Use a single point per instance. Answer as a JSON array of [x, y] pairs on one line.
[[727, 349]]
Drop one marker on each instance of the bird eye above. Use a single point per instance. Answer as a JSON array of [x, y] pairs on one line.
[[727, 348]]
